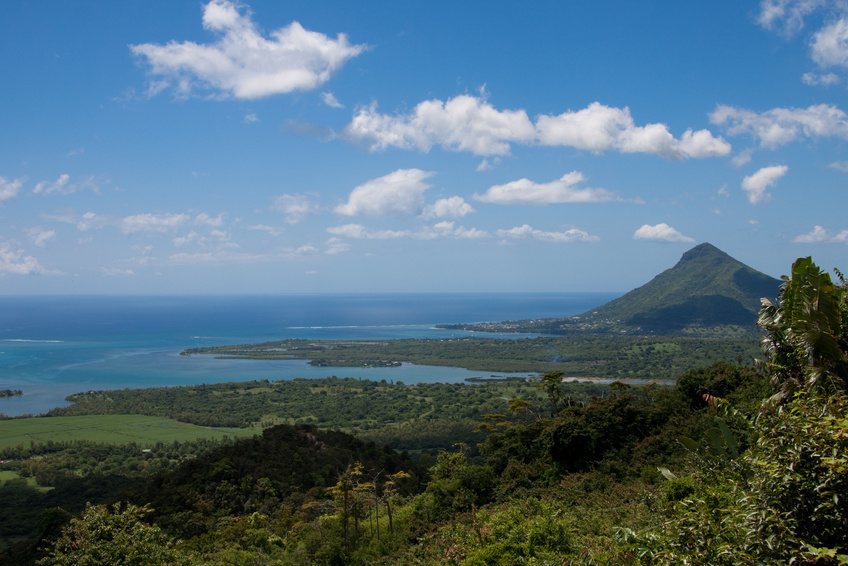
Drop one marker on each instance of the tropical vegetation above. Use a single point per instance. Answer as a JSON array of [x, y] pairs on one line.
[[734, 465]]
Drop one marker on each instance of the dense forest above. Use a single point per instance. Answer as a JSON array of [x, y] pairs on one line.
[[732, 465]]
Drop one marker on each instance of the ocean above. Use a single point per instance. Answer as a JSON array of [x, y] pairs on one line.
[[54, 346]]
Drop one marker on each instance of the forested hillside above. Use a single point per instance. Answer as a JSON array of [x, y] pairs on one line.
[[733, 465]]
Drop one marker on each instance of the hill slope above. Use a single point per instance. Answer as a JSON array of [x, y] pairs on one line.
[[706, 288]]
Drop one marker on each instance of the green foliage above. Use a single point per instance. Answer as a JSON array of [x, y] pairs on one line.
[[807, 341], [116, 537]]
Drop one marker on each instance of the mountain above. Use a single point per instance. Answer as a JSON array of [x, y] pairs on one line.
[[707, 288]]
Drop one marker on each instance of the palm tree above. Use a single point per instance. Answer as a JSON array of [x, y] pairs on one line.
[[807, 332]]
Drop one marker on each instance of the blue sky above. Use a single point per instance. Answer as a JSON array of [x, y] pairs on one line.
[[160, 146]]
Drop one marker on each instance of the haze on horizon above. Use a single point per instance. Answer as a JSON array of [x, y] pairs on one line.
[[265, 147]]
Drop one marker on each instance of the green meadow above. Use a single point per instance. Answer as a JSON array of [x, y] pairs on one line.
[[110, 429]]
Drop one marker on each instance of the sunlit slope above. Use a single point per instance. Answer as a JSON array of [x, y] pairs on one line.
[[707, 288]]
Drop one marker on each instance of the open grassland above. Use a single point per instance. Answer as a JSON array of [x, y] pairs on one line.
[[109, 429]]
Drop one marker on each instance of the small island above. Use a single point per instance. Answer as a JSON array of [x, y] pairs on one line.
[[10, 393]]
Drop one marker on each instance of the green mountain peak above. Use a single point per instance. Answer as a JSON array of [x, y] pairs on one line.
[[706, 288]]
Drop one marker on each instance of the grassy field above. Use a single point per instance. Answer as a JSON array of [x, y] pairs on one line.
[[6, 475], [111, 429]]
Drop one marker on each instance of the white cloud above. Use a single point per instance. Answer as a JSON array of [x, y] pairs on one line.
[[487, 165], [839, 166], [599, 128], [251, 118], [814, 79], [470, 123], [660, 233], [263, 228], [360, 232], [829, 46], [336, 246], [244, 64], [463, 123], [820, 235], [9, 189], [780, 126], [296, 207], [153, 222], [117, 272], [91, 221], [453, 207], [330, 100], [399, 193], [206, 220], [64, 186], [786, 16], [40, 237], [14, 262], [526, 231], [443, 229], [188, 238], [563, 190], [742, 158], [56, 186], [755, 185]]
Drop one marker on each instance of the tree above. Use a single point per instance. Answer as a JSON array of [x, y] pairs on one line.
[[117, 537], [807, 332], [346, 495]]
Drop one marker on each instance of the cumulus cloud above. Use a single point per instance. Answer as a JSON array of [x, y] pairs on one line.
[[464, 123], [599, 128], [9, 189], [241, 62], [660, 233], [296, 207], [470, 123], [820, 235], [563, 190], [453, 207], [14, 262], [755, 185], [780, 126], [839, 166], [829, 46], [251, 118], [526, 231], [398, 193]]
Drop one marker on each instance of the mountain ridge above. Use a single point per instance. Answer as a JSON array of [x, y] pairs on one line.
[[707, 287], [707, 291]]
